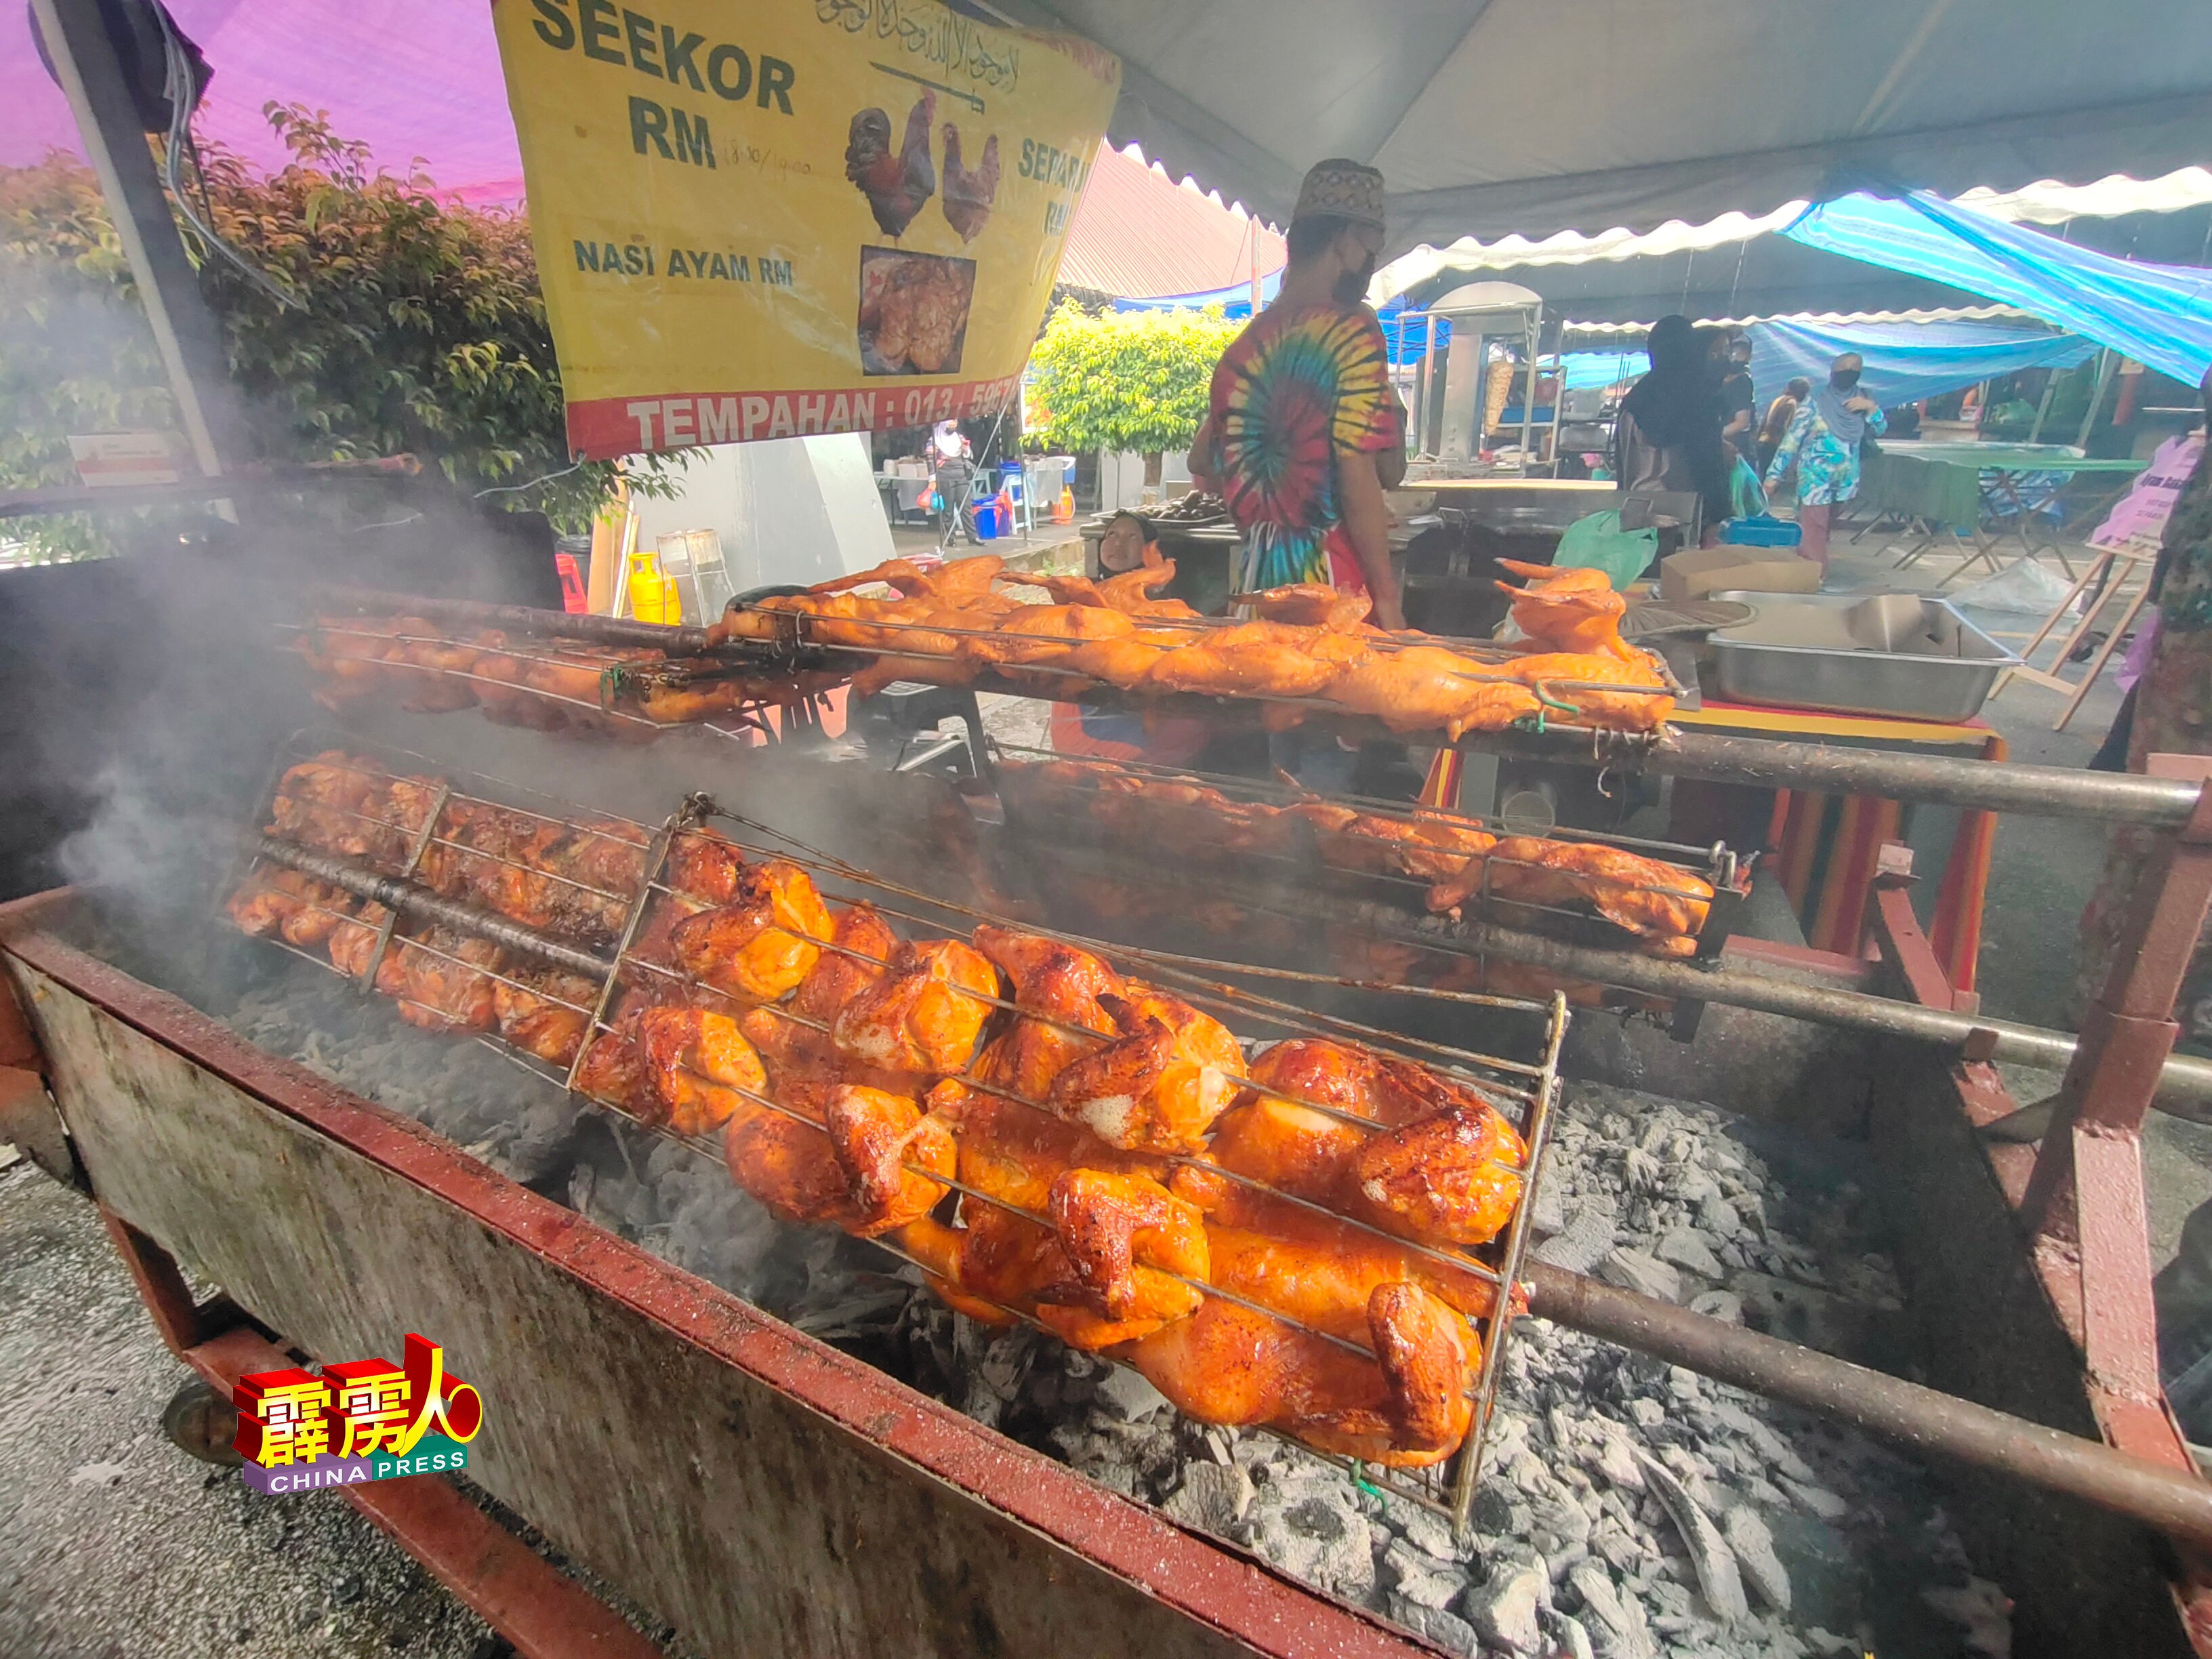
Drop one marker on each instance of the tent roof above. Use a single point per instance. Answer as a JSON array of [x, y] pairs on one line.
[[2161, 315], [1532, 116], [1487, 117], [1137, 235]]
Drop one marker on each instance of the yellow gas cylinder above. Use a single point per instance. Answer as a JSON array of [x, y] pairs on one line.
[[651, 596]]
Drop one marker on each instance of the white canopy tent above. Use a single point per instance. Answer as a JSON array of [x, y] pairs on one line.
[[1496, 117]]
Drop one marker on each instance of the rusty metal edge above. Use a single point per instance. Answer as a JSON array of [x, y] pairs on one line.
[[1237, 1595]]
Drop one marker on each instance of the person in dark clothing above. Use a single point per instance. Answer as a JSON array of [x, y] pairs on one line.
[[955, 476], [1739, 404], [1668, 433]]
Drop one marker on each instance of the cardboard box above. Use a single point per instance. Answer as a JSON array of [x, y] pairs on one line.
[[1701, 571]]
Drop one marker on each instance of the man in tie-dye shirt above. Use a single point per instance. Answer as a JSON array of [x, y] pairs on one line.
[[1303, 427]]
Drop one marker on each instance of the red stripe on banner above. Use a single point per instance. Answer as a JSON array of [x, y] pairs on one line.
[[604, 427]]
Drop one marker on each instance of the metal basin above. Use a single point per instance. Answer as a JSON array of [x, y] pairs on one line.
[[1903, 655]]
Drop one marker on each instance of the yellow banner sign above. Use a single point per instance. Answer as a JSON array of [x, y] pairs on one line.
[[794, 216]]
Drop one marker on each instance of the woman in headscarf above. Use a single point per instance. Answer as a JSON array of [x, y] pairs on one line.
[[1668, 434], [1823, 444]]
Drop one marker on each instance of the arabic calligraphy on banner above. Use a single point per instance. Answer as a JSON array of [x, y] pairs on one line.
[[795, 216]]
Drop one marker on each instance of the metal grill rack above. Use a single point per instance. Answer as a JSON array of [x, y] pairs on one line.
[[1525, 1089]]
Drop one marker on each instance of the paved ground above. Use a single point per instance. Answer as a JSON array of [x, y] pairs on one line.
[[115, 1545], [2041, 873]]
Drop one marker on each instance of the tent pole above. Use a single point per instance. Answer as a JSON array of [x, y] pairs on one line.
[[1429, 390], [1529, 394], [185, 329], [2050, 385], [2096, 396]]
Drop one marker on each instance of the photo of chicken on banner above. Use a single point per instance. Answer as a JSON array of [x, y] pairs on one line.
[[913, 311], [895, 182]]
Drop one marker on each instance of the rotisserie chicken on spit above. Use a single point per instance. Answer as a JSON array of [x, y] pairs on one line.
[[1461, 861], [1118, 1156], [1307, 645]]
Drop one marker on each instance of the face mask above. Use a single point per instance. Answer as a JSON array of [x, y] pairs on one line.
[[1352, 285], [1843, 379]]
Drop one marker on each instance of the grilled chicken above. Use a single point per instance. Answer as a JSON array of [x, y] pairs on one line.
[[1423, 688], [1006, 1255], [296, 907], [1156, 1087], [1569, 611], [1584, 683], [924, 1015], [969, 195], [1060, 984], [896, 184], [1646, 896], [1259, 658], [437, 982], [1407, 1407], [1442, 1163], [764, 942], [548, 1018], [699, 1067], [1311, 604]]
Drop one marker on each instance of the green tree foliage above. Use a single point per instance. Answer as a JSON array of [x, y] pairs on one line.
[[75, 354], [1133, 380], [418, 325]]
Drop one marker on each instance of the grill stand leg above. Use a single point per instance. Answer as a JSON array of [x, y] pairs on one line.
[[542, 1612], [2083, 1205]]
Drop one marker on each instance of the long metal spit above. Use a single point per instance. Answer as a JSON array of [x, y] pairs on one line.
[[1949, 781]]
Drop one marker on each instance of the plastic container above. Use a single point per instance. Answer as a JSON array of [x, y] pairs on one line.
[[986, 520], [1761, 532]]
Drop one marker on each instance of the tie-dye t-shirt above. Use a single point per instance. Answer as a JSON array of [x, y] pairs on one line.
[[1297, 390]]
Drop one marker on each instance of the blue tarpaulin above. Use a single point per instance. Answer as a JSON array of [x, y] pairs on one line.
[[1234, 302], [2161, 315], [1904, 362], [1584, 369]]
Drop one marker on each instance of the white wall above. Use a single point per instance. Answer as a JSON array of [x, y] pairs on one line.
[[787, 510], [1122, 479]]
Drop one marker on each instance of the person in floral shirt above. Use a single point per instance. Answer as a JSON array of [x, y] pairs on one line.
[[1302, 422], [1823, 444]]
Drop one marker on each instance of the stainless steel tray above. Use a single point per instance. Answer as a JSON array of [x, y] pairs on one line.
[[1904, 654]]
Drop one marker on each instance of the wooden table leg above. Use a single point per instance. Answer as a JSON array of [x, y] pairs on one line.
[[2104, 655]]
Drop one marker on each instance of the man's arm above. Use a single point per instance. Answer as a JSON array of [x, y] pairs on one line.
[[1204, 459], [1390, 464], [1367, 523]]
